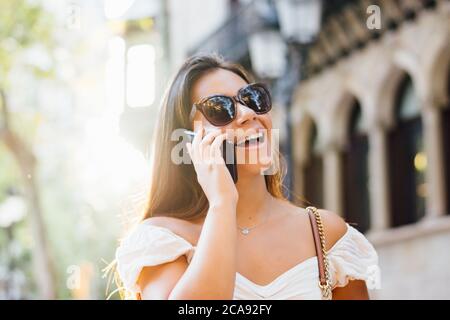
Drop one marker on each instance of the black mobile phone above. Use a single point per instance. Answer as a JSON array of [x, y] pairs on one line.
[[228, 153]]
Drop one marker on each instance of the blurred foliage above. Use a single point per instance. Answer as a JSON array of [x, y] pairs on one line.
[[22, 24], [9, 175], [81, 225], [78, 231]]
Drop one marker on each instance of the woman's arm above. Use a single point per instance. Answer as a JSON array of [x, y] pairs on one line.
[[354, 290], [211, 273], [335, 227]]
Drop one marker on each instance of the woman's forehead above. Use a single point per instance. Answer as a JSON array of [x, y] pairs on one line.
[[218, 81]]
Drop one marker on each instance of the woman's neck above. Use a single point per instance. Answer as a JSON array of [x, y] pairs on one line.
[[253, 200]]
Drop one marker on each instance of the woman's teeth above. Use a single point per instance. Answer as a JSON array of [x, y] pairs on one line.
[[252, 140]]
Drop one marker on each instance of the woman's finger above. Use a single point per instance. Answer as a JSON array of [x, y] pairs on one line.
[[203, 148], [199, 130], [216, 145], [197, 140], [210, 136], [189, 148]]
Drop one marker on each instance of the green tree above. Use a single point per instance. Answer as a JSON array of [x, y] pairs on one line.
[[24, 24]]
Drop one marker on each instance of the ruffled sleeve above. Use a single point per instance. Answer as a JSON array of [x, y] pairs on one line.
[[352, 258], [148, 245]]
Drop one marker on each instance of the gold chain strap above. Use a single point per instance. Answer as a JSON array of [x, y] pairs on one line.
[[326, 288]]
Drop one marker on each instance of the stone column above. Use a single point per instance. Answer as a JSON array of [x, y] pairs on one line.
[[434, 174], [378, 179], [332, 183]]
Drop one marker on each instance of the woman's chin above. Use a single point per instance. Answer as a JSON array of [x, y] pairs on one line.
[[258, 168], [254, 159]]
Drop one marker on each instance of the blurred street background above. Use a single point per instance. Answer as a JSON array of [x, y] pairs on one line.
[[361, 96]]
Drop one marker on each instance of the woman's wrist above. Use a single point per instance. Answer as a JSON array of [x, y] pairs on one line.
[[223, 206]]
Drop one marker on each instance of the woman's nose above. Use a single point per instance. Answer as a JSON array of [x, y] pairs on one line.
[[244, 114]]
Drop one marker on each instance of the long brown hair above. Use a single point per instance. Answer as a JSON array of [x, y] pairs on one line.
[[174, 189]]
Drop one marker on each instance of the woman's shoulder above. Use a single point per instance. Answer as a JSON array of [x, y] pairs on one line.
[[185, 229], [334, 225], [153, 241]]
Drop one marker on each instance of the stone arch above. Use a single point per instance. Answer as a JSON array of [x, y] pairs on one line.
[[302, 132], [308, 171], [386, 95], [436, 73], [340, 116]]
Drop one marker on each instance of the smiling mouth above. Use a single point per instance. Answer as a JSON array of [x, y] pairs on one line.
[[252, 140]]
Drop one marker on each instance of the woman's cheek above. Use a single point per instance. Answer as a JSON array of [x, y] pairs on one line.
[[199, 119], [267, 119]]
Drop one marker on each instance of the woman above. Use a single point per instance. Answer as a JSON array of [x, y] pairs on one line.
[[205, 237]]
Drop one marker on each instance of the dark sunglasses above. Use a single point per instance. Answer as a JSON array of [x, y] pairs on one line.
[[220, 110]]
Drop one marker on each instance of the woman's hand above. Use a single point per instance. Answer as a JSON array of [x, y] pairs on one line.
[[212, 173]]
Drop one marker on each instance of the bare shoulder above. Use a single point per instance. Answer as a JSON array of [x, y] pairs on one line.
[[334, 225], [185, 229]]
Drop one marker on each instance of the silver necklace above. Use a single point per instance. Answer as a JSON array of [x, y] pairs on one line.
[[246, 230]]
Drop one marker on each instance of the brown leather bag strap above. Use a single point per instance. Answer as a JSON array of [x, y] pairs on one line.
[[315, 232], [319, 242]]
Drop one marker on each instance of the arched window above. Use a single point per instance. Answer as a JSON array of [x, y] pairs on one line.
[[356, 173], [314, 171], [407, 159]]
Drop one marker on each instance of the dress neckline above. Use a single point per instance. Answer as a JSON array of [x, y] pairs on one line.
[[283, 275], [279, 277]]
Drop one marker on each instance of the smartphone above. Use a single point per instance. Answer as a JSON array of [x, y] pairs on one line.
[[228, 153]]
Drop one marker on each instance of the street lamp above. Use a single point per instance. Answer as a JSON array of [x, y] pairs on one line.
[[267, 54], [299, 19], [300, 22]]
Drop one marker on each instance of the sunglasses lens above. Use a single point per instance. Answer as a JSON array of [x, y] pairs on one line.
[[256, 98], [219, 110]]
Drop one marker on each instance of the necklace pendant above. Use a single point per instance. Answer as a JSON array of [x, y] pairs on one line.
[[245, 231]]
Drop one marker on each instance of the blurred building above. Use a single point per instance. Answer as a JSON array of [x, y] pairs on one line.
[[372, 136], [370, 126]]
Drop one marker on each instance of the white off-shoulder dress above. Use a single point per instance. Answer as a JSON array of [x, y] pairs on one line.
[[350, 258]]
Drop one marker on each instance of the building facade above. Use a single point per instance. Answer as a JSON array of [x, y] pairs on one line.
[[371, 136]]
